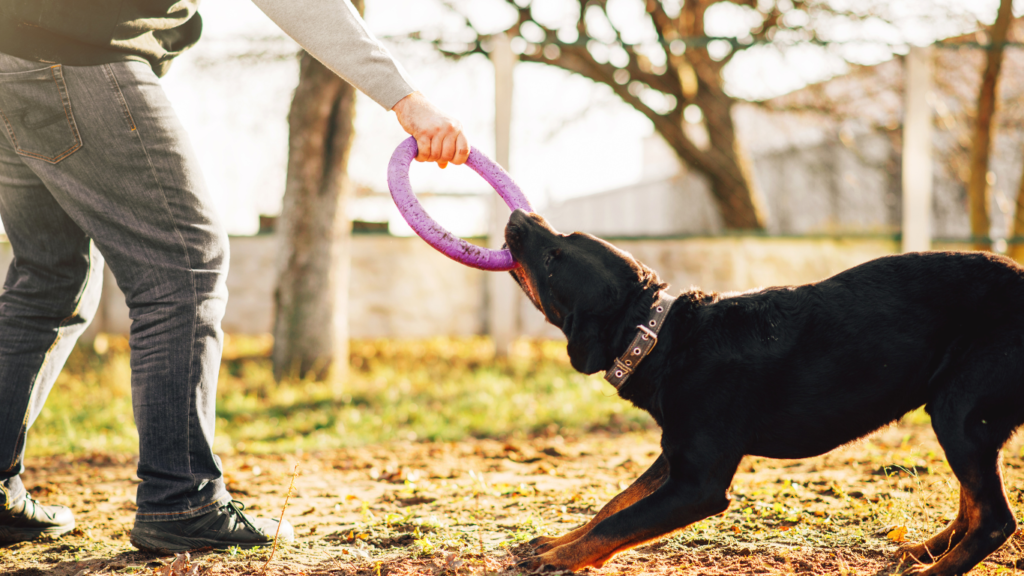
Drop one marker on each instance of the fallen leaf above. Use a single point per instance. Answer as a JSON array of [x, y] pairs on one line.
[[898, 534], [182, 566], [452, 562]]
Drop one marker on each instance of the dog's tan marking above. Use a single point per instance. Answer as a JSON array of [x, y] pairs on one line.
[[647, 483]]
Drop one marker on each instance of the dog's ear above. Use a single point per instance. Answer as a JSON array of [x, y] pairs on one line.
[[586, 348]]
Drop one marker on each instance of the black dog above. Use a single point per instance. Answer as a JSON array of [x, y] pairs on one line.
[[787, 372]]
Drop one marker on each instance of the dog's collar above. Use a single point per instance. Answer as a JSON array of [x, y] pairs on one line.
[[642, 344]]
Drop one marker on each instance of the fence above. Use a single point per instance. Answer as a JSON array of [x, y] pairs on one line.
[[402, 288]]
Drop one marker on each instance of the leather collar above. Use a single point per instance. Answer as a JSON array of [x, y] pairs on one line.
[[644, 341]]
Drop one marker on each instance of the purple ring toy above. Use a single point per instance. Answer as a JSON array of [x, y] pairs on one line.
[[431, 232]]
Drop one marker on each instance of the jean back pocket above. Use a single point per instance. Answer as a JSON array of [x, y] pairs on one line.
[[36, 112]]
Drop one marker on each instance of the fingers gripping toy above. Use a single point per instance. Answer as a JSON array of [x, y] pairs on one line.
[[430, 231]]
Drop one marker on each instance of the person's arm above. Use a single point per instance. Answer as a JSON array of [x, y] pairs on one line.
[[334, 33]]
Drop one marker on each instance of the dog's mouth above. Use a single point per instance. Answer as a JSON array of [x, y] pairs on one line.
[[515, 240], [522, 278]]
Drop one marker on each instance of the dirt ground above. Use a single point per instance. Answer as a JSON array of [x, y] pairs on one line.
[[469, 507]]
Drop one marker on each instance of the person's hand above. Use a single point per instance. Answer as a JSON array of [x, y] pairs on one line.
[[438, 136]]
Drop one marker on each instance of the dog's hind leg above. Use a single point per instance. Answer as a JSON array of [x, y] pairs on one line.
[[973, 413], [647, 483], [989, 521], [930, 550]]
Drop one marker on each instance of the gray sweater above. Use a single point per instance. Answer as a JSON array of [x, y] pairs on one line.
[[334, 33], [80, 33]]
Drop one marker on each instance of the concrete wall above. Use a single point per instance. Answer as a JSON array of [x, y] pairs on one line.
[[402, 288], [725, 264], [673, 205]]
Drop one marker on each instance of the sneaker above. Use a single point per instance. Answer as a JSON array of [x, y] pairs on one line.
[[223, 528], [28, 519]]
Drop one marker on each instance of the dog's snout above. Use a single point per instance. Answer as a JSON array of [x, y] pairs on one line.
[[524, 227], [515, 229], [512, 232], [519, 217]]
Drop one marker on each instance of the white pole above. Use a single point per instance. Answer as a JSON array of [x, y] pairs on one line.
[[917, 150], [502, 303]]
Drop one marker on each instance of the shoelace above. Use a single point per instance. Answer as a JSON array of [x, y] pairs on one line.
[[28, 512], [236, 507], [24, 509]]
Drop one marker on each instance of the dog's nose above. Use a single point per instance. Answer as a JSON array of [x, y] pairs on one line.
[[512, 233], [514, 230], [519, 217]]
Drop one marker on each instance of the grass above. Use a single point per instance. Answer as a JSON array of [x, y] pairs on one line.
[[439, 389], [465, 507]]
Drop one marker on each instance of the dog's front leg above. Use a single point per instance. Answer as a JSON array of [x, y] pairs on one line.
[[674, 505], [647, 483]]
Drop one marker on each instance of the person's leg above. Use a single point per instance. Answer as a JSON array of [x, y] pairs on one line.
[[134, 187], [51, 292]]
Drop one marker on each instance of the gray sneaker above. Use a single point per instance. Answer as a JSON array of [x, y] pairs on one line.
[[223, 528], [28, 519]]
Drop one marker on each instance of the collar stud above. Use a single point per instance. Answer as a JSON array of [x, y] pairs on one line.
[[644, 341]]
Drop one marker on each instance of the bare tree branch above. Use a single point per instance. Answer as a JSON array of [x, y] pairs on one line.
[[690, 76]]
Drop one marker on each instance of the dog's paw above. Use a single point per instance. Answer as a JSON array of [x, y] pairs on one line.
[[535, 564], [918, 570], [545, 548], [545, 545], [541, 540], [916, 553]]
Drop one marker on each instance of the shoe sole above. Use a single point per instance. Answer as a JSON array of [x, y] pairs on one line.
[[182, 544], [14, 535]]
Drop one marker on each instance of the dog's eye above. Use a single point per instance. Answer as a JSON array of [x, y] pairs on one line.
[[551, 255]]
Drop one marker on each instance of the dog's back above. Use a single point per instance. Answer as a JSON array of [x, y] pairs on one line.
[[825, 363]]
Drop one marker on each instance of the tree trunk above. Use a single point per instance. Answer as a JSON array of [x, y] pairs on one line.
[[723, 163], [692, 78], [1015, 249], [732, 173], [977, 186], [730, 176], [311, 321]]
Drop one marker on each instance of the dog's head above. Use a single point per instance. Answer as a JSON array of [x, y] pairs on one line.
[[582, 284]]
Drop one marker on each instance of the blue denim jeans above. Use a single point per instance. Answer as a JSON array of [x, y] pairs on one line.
[[95, 166]]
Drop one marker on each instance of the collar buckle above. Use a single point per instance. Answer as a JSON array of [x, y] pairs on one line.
[[647, 333], [644, 341]]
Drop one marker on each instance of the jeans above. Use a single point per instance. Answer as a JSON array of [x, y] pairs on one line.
[[94, 166]]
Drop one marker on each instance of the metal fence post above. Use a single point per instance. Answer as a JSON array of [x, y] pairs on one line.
[[917, 149], [502, 304]]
